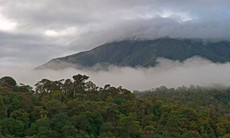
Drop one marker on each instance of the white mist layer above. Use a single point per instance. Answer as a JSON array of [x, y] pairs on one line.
[[194, 71]]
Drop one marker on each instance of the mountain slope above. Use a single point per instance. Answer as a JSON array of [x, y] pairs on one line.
[[144, 53]]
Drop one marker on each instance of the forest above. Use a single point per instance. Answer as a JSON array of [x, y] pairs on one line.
[[77, 108]]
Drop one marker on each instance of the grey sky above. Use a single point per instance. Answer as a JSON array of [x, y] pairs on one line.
[[35, 31]]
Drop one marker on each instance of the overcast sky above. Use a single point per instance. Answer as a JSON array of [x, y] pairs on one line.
[[35, 31]]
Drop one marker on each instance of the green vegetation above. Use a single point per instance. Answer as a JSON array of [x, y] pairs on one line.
[[77, 108]]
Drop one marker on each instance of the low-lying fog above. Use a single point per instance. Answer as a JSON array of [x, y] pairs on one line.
[[194, 71]]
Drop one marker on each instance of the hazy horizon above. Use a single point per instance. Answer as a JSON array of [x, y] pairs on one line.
[[172, 74]]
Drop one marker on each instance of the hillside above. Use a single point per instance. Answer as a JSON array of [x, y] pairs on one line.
[[144, 53]]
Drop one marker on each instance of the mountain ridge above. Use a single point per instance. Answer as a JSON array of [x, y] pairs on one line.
[[143, 53]]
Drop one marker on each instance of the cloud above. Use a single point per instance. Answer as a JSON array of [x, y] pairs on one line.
[[153, 28], [23, 49], [59, 13], [194, 71], [6, 25]]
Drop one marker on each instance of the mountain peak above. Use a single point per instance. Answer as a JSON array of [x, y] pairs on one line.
[[143, 53]]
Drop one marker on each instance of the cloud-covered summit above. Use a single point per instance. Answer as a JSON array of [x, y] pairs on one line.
[[32, 32]]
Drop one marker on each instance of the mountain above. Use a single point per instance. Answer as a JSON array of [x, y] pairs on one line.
[[144, 53]]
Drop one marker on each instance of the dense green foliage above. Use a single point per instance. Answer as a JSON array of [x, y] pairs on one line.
[[144, 53], [77, 108]]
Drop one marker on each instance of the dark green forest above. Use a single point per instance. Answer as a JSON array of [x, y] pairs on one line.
[[77, 108]]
